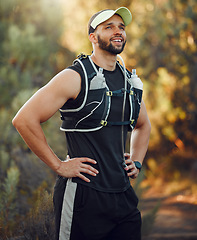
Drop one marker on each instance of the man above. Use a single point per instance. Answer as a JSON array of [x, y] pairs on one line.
[[99, 102]]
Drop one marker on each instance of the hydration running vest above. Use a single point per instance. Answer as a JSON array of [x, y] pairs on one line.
[[93, 113]]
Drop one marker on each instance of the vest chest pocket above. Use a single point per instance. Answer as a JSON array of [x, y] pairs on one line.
[[95, 108]]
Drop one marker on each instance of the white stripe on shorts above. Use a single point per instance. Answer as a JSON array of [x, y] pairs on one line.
[[67, 210]]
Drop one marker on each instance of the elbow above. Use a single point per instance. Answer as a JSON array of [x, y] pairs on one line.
[[17, 122]]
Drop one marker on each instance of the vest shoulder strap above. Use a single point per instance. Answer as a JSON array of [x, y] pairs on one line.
[[128, 73], [90, 71]]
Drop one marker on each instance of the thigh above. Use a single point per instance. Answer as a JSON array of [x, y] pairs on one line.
[[93, 215], [129, 229]]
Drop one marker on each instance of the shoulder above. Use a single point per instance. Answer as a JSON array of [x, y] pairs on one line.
[[66, 77], [67, 82]]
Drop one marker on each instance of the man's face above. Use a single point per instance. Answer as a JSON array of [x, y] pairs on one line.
[[111, 35]]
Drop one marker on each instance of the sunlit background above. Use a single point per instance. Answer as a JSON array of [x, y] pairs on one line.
[[40, 38]]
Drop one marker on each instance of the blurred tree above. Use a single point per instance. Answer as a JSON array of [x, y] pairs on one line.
[[166, 53], [40, 222], [31, 54], [8, 196]]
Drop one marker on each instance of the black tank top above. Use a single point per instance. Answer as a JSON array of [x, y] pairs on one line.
[[104, 145]]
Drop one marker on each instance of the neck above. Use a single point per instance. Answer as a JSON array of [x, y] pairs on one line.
[[105, 61]]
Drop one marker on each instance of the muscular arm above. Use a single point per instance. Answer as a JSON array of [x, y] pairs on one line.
[[38, 109], [140, 136], [139, 141]]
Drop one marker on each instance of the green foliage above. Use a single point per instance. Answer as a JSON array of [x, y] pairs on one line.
[[8, 197], [29, 45], [4, 159], [39, 224], [31, 54], [5, 147]]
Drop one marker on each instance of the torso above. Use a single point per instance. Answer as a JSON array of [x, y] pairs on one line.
[[104, 145]]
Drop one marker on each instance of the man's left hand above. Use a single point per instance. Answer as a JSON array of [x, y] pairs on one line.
[[131, 169]]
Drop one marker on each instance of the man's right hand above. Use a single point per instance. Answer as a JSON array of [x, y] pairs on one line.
[[74, 167]]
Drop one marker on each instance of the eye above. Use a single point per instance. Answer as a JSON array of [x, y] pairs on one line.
[[122, 28]]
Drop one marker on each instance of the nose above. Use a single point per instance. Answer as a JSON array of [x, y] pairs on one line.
[[117, 31]]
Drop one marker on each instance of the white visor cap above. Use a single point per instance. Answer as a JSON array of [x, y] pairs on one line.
[[123, 12]]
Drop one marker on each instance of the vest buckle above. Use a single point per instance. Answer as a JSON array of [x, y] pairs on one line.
[[82, 55], [131, 92], [104, 123], [132, 121], [109, 93]]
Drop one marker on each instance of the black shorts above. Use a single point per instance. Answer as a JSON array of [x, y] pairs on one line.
[[83, 213]]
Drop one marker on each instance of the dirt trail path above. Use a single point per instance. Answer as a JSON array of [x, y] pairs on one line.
[[176, 218]]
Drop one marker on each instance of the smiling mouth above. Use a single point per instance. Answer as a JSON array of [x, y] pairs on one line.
[[117, 40]]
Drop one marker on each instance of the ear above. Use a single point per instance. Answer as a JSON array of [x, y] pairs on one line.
[[93, 37]]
